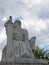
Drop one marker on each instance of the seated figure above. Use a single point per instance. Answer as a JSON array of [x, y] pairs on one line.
[[21, 41]]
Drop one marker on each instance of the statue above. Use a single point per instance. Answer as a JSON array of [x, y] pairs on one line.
[[18, 44], [19, 49]]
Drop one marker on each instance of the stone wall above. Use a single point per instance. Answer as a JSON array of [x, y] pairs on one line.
[[7, 63]]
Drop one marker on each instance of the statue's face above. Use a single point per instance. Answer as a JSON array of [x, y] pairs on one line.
[[18, 24]]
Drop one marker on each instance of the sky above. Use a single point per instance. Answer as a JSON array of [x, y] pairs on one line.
[[34, 15]]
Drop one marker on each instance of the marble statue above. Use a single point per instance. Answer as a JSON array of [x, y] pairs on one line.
[[19, 49], [18, 44]]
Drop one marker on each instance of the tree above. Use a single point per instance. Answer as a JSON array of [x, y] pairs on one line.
[[40, 53]]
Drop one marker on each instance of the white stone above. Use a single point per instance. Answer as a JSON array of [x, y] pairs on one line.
[[32, 42], [18, 44]]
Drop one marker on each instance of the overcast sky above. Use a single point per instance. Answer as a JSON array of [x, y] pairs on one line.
[[34, 15]]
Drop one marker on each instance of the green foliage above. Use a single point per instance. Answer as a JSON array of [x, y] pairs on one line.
[[40, 54]]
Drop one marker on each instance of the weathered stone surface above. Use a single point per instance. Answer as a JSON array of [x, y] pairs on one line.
[[14, 63], [18, 45], [32, 42], [18, 50]]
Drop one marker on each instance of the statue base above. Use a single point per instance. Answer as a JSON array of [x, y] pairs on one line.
[[14, 63], [24, 61]]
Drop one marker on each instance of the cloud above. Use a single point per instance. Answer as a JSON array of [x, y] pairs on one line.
[[4, 19], [2, 35], [2, 39], [40, 11], [33, 2], [2, 22], [38, 25]]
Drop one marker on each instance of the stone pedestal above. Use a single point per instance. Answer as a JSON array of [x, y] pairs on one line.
[[24, 61], [13, 63]]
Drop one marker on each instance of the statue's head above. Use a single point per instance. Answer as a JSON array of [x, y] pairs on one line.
[[18, 22]]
